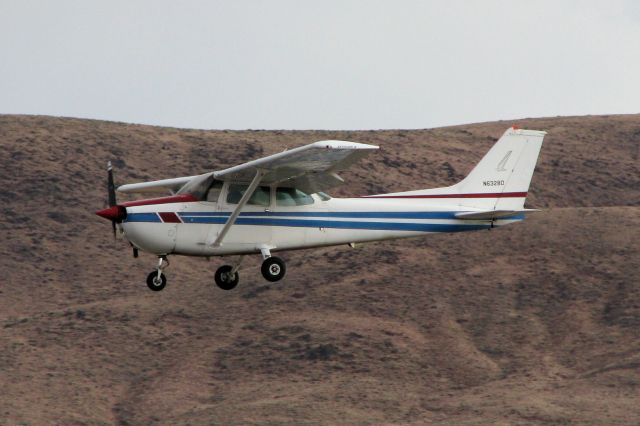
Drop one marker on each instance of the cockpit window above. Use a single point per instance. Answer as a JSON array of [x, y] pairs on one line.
[[214, 191], [261, 196], [292, 197], [198, 186], [323, 196]]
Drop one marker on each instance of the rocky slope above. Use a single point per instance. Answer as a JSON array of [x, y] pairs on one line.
[[536, 323]]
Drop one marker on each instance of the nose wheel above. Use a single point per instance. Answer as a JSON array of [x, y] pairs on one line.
[[273, 269], [226, 278], [156, 280]]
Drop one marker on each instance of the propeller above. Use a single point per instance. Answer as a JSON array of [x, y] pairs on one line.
[[111, 190], [114, 212]]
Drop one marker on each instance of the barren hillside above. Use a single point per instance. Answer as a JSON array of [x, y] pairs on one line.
[[535, 323]]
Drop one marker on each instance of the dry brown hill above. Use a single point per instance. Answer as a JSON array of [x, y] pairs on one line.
[[536, 323]]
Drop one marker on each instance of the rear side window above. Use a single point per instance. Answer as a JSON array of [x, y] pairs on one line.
[[292, 197], [261, 196]]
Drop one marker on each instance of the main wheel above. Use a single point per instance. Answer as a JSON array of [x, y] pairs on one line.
[[273, 269], [224, 279], [155, 283]]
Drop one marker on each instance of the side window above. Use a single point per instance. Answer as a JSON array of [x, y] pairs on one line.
[[292, 197], [214, 191], [261, 196]]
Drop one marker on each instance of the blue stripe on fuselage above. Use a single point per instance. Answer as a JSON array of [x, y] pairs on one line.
[[380, 226], [143, 217], [276, 219], [353, 215]]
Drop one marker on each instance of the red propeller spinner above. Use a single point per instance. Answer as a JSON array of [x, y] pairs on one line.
[[114, 213]]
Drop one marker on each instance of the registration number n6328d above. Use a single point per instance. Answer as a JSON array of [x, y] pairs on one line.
[[493, 182]]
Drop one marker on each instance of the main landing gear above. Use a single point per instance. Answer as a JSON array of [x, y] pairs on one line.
[[273, 269], [156, 280]]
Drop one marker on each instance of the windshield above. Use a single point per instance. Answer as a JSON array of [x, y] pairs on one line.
[[203, 187], [323, 196], [214, 191]]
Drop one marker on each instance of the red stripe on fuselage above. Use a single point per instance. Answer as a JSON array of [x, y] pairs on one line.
[[169, 217], [182, 198], [479, 195]]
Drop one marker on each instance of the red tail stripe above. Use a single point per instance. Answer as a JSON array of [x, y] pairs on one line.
[[479, 195]]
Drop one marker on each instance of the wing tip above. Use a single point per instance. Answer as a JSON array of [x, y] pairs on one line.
[[516, 130], [337, 144]]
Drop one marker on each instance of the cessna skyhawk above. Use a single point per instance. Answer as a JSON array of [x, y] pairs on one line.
[[278, 203]]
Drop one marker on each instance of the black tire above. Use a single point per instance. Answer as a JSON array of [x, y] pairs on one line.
[[223, 280], [153, 283], [273, 269]]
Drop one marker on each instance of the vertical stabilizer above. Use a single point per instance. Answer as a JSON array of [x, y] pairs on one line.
[[500, 181], [505, 171]]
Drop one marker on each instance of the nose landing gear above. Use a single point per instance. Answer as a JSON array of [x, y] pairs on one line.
[[227, 276], [156, 280]]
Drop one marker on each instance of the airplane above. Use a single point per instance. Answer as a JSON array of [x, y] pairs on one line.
[[279, 203]]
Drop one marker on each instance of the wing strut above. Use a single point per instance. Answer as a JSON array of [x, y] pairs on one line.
[[245, 198]]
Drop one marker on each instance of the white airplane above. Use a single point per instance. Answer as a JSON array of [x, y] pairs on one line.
[[278, 203]]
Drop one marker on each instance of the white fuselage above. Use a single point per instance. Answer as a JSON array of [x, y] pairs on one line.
[[190, 228]]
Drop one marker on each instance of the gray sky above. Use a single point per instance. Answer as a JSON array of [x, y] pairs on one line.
[[318, 64]]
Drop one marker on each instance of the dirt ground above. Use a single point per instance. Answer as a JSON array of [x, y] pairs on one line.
[[535, 323]]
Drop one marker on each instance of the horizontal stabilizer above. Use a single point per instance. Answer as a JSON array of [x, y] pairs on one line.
[[493, 214]]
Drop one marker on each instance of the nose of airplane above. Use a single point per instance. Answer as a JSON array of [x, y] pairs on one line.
[[112, 213]]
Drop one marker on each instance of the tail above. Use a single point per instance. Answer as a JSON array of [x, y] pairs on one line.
[[499, 182]]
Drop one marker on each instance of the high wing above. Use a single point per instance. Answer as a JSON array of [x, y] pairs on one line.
[[156, 186], [311, 168]]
